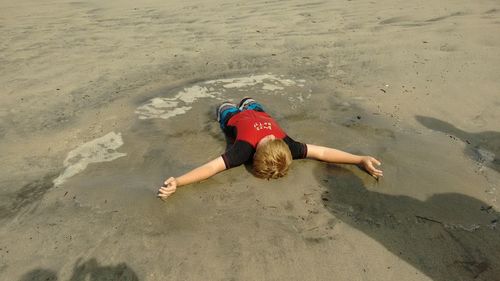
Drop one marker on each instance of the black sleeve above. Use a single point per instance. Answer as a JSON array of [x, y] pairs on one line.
[[230, 132], [298, 149], [239, 153]]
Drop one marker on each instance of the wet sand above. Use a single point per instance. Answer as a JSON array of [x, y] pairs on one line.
[[100, 102]]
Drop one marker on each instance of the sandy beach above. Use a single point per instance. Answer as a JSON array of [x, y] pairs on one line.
[[101, 101]]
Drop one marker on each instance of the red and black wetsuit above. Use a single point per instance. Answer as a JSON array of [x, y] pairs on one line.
[[247, 128]]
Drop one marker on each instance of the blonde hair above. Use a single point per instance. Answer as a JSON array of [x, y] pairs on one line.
[[272, 159]]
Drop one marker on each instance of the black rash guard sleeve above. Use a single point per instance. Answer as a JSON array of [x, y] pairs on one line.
[[298, 149], [239, 153]]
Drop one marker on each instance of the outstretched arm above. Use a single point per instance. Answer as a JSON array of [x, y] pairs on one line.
[[201, 173], [341, 157]]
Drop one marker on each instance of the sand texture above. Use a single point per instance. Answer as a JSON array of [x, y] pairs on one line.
[[100, 101]]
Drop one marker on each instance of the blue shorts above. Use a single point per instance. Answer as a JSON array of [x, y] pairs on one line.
[[227, 110]]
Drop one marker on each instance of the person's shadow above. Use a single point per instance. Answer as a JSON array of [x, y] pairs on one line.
[[89, 270], [447, 237], [483, 147]]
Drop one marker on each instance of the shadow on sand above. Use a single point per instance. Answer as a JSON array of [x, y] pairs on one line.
[[86, 271], [447, 237], [483, 147]]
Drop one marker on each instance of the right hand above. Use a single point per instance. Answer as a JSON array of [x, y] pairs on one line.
[[168, 188], [368, 163]]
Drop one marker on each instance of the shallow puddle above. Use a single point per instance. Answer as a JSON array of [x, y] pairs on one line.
[[221, 90], [102, 149]]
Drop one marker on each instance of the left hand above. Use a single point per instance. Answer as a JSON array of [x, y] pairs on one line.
[[367, 163]]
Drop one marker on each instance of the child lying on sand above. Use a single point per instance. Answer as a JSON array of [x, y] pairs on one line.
[[256, 136]]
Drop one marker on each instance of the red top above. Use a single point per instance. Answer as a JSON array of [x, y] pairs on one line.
[[252, 126]]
